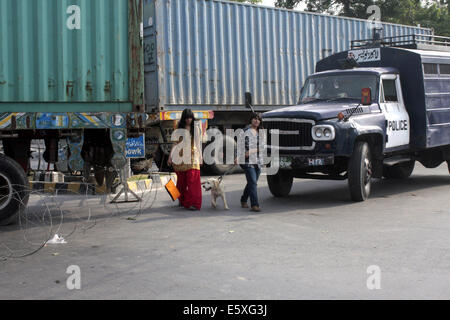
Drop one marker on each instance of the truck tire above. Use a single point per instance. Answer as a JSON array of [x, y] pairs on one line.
[[360, 172], [280, 184], [399, 171], [13, 190], [448, 165], [220, 169]]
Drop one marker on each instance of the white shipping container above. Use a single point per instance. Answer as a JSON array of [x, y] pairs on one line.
[[205, 54]]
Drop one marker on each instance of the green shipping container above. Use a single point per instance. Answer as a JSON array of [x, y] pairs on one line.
[[71, 56]]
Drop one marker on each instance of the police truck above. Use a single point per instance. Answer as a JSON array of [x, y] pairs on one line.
[[368, 112]]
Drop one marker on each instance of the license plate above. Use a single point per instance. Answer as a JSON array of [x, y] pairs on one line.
[[306, 161], [315, 162]]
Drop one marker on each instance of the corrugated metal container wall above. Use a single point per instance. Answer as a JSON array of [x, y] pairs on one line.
[[207, 54], [60, 51]]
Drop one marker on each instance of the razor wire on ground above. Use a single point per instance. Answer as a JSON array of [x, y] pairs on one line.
[[45, 215]]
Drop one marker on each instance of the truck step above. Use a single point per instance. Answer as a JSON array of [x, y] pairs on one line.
[[396, 160]]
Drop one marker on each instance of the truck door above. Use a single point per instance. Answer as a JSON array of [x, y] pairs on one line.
[[393, 107]]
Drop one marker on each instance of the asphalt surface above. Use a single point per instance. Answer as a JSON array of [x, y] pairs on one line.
[[314, 244]]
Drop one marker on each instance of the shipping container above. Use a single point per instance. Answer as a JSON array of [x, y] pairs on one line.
[[71, 56], [207, 54]]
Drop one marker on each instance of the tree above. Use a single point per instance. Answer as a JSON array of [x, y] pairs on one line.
[[432, 13], [349, 8], [288, 4], [437, 16]]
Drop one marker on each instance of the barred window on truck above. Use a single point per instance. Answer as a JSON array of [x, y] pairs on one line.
[[430, 68], [444, 69]]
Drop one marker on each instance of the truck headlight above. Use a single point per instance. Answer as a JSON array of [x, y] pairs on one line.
[[323, 133]]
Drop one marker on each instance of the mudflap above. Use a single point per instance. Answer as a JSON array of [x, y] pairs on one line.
[[119, 140], [75, 161]]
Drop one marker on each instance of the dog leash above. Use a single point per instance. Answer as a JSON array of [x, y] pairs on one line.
[[226, 173]]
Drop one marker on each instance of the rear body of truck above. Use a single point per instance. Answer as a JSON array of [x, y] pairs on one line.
[[72, 72]]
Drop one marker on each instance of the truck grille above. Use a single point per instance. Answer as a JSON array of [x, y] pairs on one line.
[[295, 134]]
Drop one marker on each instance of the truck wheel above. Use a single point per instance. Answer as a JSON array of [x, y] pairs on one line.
[[13, 190], [220, 169], [399, 171], [280, 184], [360, 172], [448, 165]]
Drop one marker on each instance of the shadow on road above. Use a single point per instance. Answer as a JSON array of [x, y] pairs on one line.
[[306, 194], [310, 194]]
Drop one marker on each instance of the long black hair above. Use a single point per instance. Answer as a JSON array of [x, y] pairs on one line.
[[187, 113], [256, 116]]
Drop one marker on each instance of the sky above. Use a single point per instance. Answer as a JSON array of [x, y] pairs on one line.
[[271, 3], [268, 2]]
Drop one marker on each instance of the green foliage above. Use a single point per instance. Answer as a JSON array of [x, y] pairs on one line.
[[431, 13], [436, 16], [288, 4]]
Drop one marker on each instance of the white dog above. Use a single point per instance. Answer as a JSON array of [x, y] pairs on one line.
[[217, 190]]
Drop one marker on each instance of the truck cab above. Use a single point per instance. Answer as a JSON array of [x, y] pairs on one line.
[[366, 113]]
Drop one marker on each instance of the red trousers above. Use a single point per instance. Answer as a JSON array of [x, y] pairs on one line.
[[189, 185]]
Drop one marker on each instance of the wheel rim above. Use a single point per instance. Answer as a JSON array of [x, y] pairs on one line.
[[6, 191], [367, 174], [220, 157]]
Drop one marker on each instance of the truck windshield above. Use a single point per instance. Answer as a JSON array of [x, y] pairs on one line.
[[337, 87]]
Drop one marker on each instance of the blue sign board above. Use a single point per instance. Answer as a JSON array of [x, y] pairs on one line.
[[135, 147], [52, 121]]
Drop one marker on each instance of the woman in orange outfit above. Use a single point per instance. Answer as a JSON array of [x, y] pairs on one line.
[[188, 172]]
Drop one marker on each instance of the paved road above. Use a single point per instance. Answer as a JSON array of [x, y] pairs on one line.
[[313, 244]]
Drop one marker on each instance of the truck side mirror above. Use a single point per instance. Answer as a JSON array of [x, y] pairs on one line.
[[248, 100], [366, 96]]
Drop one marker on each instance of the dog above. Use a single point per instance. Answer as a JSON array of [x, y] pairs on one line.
[[217, 190]]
